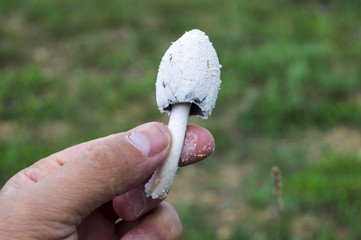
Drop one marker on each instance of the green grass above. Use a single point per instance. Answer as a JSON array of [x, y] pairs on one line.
[[330, 187], [26, 93], [10, 47], [291, 72], [337, 172], [196, 223]]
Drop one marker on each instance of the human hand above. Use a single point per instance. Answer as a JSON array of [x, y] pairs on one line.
[[78, 193]]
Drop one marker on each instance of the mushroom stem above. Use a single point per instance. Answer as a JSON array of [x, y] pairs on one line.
[[159, 184]]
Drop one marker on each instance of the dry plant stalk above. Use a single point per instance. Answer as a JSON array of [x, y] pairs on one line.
[[277, 191], [277, 188]]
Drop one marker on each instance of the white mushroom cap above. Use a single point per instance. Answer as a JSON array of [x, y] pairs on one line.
[[189, 73]]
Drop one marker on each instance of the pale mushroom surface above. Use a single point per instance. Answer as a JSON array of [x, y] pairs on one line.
[[187, 84], [189, 73]]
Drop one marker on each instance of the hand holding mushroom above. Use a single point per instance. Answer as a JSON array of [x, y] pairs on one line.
[[80, 192], [187, 84]]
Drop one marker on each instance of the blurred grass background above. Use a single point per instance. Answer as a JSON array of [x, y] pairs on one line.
[[71, 71]]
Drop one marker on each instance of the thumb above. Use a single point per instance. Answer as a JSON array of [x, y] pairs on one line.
[[108, 168]]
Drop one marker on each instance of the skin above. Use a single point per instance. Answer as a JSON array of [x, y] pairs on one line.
[[79, 193]]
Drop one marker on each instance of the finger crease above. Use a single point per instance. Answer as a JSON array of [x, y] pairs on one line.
[[30, 174], [59, 161]]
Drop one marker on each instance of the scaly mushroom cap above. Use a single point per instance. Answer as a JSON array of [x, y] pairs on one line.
[[189, 73]]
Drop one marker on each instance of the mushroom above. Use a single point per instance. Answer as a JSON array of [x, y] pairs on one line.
[[187, 85]]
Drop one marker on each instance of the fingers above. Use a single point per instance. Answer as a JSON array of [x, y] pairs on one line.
[[104, 170], [95, 168], [198, 144], [162, 223], [134, 204]]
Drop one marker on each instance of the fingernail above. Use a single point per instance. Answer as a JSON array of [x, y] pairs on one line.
[[137, 201], [149, 140]]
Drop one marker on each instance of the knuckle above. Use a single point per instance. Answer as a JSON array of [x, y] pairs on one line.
[[30, 173]]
